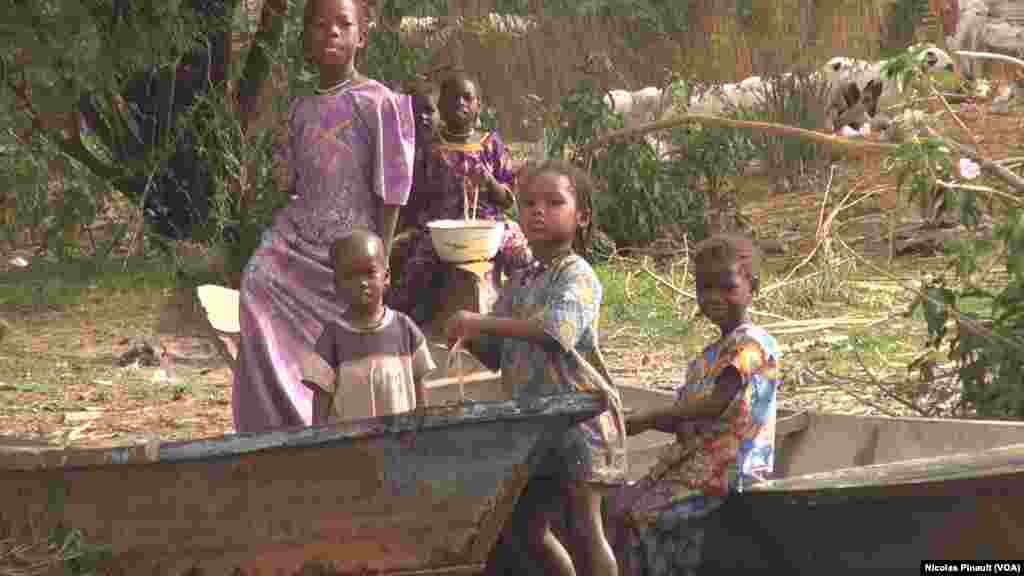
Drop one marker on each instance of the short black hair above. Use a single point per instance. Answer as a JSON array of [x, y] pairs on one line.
[[728, 249], [342, 245]]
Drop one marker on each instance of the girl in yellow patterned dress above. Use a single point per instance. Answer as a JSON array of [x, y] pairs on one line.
[[724, 422], [543, 336]]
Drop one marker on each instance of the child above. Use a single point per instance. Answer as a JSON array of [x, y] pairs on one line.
[[724, 422], [463, 162], [372, 361], [424, 108], [543, 337], [350, 163]]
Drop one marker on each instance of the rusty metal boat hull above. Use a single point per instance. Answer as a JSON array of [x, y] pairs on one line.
[[891, 517], [356, 495], [855, 493]]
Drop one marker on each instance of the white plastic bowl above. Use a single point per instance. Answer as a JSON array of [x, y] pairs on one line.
[[460, 241]]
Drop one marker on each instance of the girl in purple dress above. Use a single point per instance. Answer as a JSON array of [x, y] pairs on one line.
[[350, 157], [461, 159]]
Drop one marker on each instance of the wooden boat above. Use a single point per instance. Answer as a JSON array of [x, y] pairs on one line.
[[354, 495], [855, 492]]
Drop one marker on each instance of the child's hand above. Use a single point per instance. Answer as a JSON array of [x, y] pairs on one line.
[[463, 326], [481, 176]]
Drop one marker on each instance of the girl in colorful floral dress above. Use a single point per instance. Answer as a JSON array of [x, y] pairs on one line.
[[724, 422]]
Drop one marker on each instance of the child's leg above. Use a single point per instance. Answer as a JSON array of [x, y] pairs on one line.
[[590, 548], [543, 545]]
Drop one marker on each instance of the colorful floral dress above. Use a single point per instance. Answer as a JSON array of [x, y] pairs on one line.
[[416, 283], [348, 152], [655, 523], [565, 297]]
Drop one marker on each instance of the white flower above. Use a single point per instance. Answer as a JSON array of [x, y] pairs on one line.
[[969, 170]]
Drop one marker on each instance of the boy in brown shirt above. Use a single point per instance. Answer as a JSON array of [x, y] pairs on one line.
[[371, 362]]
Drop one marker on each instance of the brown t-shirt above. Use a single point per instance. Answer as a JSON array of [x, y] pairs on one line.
[[363, 373]]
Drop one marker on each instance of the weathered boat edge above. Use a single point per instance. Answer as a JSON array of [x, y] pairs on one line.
[[579, 406], [999, 461]]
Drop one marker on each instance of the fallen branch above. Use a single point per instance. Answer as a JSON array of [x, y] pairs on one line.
[[764, 292], [991, 56], [983, 189], [994, 168], [847, 144], [797, 326]]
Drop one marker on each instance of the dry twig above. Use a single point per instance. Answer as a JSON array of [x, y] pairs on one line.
[[949, 110], [982, 189], [845, 389], [884, 388], [969, 322]]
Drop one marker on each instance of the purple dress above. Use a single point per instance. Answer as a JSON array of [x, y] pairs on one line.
[[348, 151], [415, 286]]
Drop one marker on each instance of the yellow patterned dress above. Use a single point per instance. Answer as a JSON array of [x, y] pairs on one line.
[[566, 297], [655, 523]]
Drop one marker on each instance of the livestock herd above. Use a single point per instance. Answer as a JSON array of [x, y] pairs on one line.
[[855, 92]]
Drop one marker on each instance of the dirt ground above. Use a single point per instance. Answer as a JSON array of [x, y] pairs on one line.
[[61, 382]]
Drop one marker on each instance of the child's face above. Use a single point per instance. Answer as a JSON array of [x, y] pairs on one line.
[[548, 210], [336, 32], [425, 108], [360, 276], [723, 293], [460, 104]]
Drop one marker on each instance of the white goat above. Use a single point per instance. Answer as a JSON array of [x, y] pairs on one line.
[[931, 59], [639, 107]]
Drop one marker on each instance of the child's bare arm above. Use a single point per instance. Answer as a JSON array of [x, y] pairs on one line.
[[387, 222], [421, 392], [667, 419], [467, 326]]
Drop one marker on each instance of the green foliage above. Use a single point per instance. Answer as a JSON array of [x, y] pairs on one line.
[[919, 164], [80, 558], [902, 18], [65, 49], [987, 342], [639, 301], [642, 197]]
